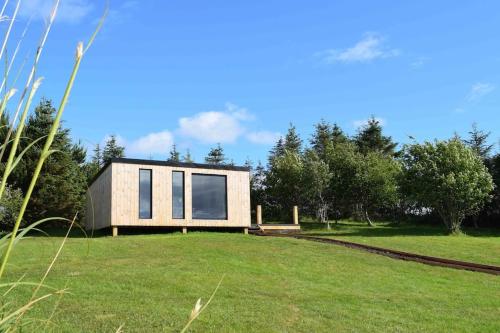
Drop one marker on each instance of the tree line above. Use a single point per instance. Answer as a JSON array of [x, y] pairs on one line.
[[331, 176], [365, 175]]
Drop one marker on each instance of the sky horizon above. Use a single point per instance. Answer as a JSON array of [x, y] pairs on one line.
[[197, 74]]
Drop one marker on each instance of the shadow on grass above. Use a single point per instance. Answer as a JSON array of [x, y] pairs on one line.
[[387, 229], [125, 231]]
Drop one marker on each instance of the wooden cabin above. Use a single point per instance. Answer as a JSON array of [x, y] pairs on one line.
[[146, 193]]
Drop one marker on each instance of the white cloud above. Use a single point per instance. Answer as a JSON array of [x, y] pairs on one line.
[[209, 127], [152, 143], [239, 112], [263, 137], [70, 11], [478, 91], [364, 122], [215, 126], [369, 48]]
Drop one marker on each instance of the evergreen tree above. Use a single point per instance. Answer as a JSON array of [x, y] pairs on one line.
[[478, 141], [257, 186], [371, 139], [338, 136], [112, 150], [97, 157], [248, 164], [187, 158], [61, 186], [216, 155], [92, 168], [321, 138], [293, 142], [277, 151], [174, 154]]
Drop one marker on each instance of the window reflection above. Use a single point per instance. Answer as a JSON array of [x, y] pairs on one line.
[[178, 194], [145, 194], [209, 197]]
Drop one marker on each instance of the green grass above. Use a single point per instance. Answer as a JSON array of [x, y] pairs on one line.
[[480, 246], [150, 283]]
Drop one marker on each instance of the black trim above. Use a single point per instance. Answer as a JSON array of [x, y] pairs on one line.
[[150, 194], [169, 163], [183, 195], [225, 184]]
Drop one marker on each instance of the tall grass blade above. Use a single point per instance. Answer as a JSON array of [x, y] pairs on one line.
[[44, 154], [40, 48], [9, 67], [7, 33], [5, 99], [19, 131], [24, 151], [198, 309], [3, 7], [23, 231]]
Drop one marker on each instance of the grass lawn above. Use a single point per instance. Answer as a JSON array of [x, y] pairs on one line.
[[480, 246], [150, 283]]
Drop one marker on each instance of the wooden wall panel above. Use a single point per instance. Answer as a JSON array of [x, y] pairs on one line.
[[98, 208], [125, 197]]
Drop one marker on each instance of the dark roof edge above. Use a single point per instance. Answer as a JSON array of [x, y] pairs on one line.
[[169, 163]]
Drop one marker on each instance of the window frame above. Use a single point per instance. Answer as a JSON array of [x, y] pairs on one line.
[[225, 196], [183, 195], [150, 194]]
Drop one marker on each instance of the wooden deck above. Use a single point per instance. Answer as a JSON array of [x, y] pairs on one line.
[[276, 228]]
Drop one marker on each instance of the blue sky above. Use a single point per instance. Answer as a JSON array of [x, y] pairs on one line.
[[201, 72]]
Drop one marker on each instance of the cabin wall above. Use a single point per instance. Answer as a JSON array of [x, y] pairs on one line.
[[125, 197], [98, 208]]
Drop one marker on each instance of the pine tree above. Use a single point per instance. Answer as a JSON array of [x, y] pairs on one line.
[[338, 136], [371, 139], [257, 186], [174, 154], [321, 138], [293, 142], [478, 141], [92, 168], [187, 158], [216, 155], [97, 157], [61, 186], [277, 151], [248, 163], [112, 150]]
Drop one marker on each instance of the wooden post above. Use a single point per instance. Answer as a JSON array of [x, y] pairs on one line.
[[245, 231], [259, 214], [184, 230], [295, 215], [115, 231]]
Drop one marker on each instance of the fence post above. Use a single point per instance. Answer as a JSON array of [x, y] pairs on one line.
[[259, 214], [295, 215]]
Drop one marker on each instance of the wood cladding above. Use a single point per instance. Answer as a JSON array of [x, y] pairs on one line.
[[115, 195]]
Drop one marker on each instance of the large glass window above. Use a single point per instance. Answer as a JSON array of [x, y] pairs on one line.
[[178, 194], [209, 197], [145, 193]]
